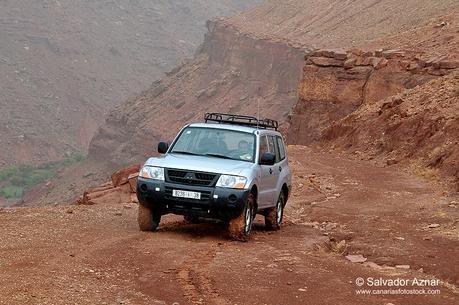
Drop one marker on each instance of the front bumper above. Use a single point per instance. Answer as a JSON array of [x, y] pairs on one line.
[[215, 202]]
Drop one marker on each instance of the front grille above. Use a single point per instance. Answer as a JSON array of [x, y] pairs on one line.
[[191, 177], [176, 173]]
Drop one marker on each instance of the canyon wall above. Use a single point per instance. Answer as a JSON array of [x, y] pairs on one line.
[[231, 72], [336, 82], [418, 128]]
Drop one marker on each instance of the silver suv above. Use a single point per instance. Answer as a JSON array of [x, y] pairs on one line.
[[230, 167]]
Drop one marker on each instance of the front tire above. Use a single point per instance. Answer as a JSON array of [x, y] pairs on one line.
[[239, 228], [274, 216], [148, 219]]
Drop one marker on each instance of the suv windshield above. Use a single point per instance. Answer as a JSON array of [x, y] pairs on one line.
[[213, 142]]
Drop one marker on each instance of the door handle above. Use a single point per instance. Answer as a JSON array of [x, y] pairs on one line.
[[280, 168], [270, 171]]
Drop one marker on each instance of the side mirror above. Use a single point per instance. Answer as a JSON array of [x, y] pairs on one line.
[[268, 159], [163, 147]]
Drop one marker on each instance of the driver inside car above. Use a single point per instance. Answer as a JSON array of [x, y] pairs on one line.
[[243, 150]]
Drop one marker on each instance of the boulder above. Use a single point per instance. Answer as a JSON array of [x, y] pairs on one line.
[[122, 176], [339, 54], [437, 72], [404, 64], [435, 61], [133, 182], [326, 62], [368, 53], [445, 64], [375, 62], [349, 63], [381, 64], [414, 67], [356, 51], [107, 196], [329, 53], [356, 258], [393, 53], [378, 53]]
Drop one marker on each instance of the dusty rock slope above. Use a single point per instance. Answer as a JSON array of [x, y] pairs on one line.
[[437, 37], [419, 126], [64, 63], [335, 23]]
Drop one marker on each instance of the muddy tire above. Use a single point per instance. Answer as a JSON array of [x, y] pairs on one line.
[[274, 216], [191, 219], [239, 228], [148, 219]]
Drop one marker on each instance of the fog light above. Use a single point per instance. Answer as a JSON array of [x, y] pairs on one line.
[[232, 198]]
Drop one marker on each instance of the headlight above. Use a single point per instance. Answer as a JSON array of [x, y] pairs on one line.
[[235, 182], [152, 172]]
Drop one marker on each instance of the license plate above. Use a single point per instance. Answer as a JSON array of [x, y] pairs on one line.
[[186, 194]]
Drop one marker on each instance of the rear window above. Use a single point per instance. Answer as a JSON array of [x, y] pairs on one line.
[[280, 144]]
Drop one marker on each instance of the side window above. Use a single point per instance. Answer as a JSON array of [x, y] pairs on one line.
[[280, 145], [263, 145], [273, 147]]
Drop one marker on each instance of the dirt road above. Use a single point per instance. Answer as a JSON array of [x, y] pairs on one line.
[[96, 255]]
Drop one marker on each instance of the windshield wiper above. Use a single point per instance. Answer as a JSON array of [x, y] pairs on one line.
[[185, 153], [219, 156]]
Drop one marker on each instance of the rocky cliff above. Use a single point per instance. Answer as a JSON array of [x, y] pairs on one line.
[[232, 72], [388, 105], [418, 127], [335, 83]]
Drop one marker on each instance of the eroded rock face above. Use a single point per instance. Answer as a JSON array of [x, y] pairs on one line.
[[335, 85], [419, 126], [232, 72]]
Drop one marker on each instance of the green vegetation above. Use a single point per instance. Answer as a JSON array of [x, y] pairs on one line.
[[17, 180]]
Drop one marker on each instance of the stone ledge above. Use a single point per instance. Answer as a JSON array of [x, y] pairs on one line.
[[407, 60]]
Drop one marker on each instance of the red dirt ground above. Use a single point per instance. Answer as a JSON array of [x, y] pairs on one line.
[[96, 254]]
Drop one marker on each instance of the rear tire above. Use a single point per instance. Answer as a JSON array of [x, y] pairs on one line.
[[274, 216], [239, 228], [148, 219]]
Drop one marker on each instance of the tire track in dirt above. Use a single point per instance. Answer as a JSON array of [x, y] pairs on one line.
[[193, 277]]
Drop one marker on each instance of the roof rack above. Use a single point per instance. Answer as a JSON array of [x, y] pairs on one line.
[[236, 119]]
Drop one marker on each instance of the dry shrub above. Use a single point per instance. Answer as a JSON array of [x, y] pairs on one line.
[[419, 168]]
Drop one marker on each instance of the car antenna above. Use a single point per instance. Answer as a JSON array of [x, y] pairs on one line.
[[258, 106]]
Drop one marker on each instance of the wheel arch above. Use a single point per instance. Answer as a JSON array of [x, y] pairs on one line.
[[286, 192], [254, 191]]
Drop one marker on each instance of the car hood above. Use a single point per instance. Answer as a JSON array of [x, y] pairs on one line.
[[200, 163]]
